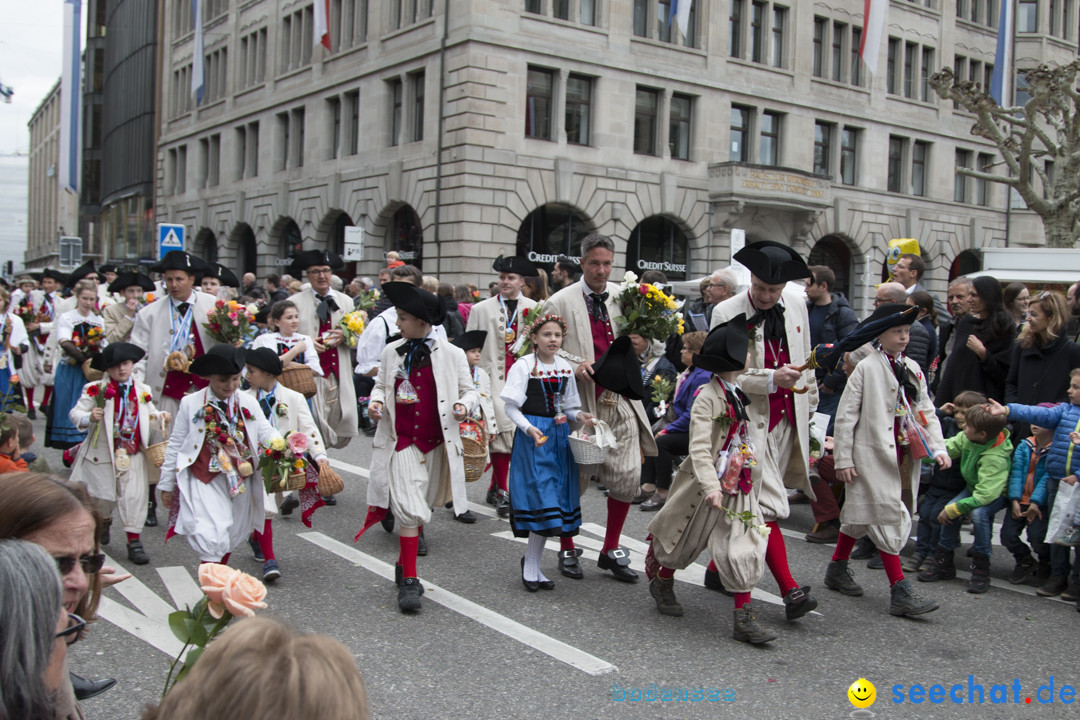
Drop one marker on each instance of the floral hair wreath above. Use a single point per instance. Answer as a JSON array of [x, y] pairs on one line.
[[540, 321]]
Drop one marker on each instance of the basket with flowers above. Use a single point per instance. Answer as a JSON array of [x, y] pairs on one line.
[[284, 463], [229, 321], [647, 310], [352, 325]]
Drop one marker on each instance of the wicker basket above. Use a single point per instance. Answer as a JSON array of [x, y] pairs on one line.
[[476, 454], [586, 452], [156, 453], [296, 481], [90, 373], [330, 483], [300, 378]]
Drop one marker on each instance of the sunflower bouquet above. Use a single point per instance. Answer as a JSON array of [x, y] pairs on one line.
[[229, 321], [647, 310], [352, 325]]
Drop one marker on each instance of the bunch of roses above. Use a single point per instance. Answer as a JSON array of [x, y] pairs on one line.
[[282, 457], [229, 321], [647, 310]]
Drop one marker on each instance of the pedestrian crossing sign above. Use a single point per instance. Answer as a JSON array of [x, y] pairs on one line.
[[170, 237]]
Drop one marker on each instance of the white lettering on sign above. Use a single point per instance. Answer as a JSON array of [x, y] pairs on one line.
[[547, 258], [662, 266]]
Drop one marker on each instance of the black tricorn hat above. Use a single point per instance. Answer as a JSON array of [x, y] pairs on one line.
[[222, 359], [54, 274], [890, 315], [310, 258], [115, 354], [108, 267], [516, 264], [125, 280], [81, 272], [470, 340], [772, 262], [416, 301], [180, 260], [265, 359], [619, 370], [725, 347], [224, 275], [263, 316]]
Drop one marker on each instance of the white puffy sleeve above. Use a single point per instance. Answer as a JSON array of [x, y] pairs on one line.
[[513, 392]]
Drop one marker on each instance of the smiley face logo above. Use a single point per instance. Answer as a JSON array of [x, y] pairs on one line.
[[862, 693]]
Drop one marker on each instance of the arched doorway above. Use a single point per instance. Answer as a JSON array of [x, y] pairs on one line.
[[550, 231], [243, 239], [206, 246], [335, 240], [657, 243], [832, 252], [965, 263], [406, 236], [289, 241]]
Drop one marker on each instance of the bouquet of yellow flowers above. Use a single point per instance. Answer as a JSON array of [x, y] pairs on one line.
[[352, 325], [229, 321], [647, 310]]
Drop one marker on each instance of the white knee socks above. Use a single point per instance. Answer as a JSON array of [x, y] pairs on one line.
[[532, 558]]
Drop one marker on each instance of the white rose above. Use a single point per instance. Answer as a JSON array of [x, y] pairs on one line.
[[630, 278], [253, 309], [764, 530]]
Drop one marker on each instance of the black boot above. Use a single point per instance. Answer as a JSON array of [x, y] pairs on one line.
[[86, 689], [421, 544], [839, 577], [663, 592], [136, 553], [151, 511], [905, 601], [943, 567], [105, 526], [746, 628], [980, 574]]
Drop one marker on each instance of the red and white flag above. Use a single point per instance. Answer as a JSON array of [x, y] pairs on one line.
[[322, 23], [874, 15]]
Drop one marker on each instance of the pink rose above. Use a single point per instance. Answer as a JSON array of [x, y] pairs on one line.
[[213, 577], [644, 289], [243, 595], [236, 323], [298, 443]]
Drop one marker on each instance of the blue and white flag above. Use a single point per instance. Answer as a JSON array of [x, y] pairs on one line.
[[1003, 56], [198, 73], [680, 12], [70, 97]]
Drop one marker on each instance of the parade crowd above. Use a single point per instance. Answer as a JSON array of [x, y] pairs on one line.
[[223, 399]]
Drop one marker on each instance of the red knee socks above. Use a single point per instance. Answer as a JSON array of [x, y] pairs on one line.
[[48, 395], [712, 567], [844, 545], [132, 537], [665, 572], [566, 543], [266, 541], [776, 558], [500, 469], [224, 560], [407, 558], [741, 599], [616, 516], [892, 567], [29, 398]]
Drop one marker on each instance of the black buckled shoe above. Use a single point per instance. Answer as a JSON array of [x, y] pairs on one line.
[[408, 597], [502, 505], [618, 562], [492, 496], [151, 511], [290, 503], [86, 689], [388, 521], [798, 602], [421, 544], [569, 565], [466, 517], [329, 500], [136, 553]]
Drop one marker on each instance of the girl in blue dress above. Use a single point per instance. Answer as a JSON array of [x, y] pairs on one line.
[[541, 396], [81, 333]]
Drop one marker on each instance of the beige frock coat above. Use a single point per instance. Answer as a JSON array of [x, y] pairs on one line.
[[866, 441]]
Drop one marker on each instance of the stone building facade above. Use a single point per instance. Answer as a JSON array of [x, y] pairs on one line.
[[52, 212], [524, 124]]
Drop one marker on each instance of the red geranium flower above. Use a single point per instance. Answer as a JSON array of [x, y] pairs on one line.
[[93, 390]]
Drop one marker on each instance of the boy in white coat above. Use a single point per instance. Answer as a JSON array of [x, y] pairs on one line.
[[423, 390], [472, 342], [208, 481], [288, 412], [883, 415], [110, 462]]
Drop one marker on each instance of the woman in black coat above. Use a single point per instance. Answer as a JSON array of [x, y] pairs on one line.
[[983, 349], [1043, 357]]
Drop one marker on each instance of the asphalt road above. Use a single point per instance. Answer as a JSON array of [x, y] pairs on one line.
[[485, 648]]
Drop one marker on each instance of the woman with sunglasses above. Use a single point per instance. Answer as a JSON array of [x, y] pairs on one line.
[[35, 631], [61, 519]]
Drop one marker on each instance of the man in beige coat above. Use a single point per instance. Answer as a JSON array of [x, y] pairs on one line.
[[501, 316], [591, 312], [120, 316], [779, 417]]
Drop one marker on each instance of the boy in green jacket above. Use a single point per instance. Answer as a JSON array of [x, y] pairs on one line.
[[985, 454]]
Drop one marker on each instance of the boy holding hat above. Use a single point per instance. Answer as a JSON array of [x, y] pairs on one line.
[[423, 390], [472, 342], [712, 487], [110, 462], [779, 331], [119, 317], [877, 446], [287, 411], [321, 308], [208, 480], [501, 316]]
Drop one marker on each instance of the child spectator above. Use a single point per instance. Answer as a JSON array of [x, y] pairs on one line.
[[985, 454], [472, 342], [1027, 500], [25, 430], [945, 483], [9, 446]]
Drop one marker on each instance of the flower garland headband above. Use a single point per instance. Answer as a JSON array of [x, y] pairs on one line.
[[550, 317]]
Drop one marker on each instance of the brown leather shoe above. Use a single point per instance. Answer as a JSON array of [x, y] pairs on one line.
[[830, 533]]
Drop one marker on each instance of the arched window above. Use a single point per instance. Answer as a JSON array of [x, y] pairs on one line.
[[206, 245], [833, 253], [406, 236], [966, 262], [550, 231], [249, 250], [658, 244]]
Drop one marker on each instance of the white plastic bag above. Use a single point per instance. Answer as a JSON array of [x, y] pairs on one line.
[[1063, 512]]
